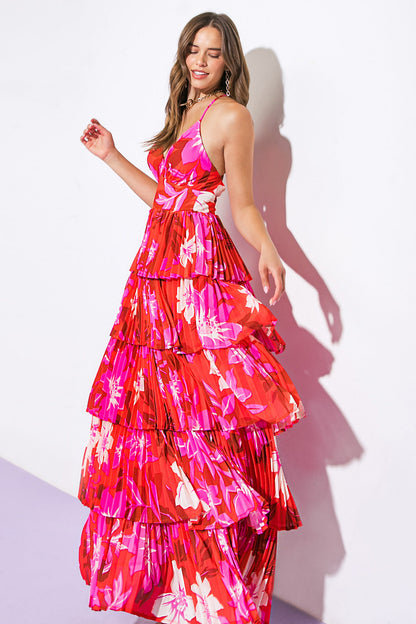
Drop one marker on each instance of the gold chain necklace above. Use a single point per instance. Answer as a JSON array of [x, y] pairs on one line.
[[190, 102]]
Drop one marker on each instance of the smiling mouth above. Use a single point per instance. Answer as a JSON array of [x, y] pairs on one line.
[[199, 74]]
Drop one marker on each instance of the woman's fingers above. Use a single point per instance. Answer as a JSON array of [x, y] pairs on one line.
[[97, 139], [279, 280], [264, 277], [92, 131], [278, 274]]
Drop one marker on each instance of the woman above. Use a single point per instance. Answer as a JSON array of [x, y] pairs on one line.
[[181, 472]]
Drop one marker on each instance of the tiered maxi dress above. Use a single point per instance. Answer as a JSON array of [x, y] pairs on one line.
[[181, 472]]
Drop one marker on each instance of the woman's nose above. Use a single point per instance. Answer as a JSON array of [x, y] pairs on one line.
[[201, 60]]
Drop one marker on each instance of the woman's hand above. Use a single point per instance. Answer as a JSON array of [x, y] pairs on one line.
[[98, 140], [270, 264]]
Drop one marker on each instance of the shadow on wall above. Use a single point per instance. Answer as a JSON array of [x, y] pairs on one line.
[[325, 438]]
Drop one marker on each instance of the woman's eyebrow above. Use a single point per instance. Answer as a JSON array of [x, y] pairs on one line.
[[193, 45]]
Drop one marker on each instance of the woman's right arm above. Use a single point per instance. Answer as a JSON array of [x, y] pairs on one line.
[[99, 141]]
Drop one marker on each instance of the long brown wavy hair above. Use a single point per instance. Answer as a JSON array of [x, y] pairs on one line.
[[234, 61]]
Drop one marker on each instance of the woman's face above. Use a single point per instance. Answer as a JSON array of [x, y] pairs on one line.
[[205, 62]]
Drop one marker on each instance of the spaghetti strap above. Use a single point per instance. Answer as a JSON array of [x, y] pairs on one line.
[[210, 104]]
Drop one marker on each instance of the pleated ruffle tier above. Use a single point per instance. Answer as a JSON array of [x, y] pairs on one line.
[[182, 465]]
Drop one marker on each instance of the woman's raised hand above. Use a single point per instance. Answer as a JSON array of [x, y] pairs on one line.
[[98, 140]]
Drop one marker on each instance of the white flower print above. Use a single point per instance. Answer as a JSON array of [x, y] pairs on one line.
[[185, 493], [138, 386], [175, 607], [251, 302], [152, 251], [202, 200], [175, 387], [133, 303], [210, 327], [207, 604], [185, 299], [214, 370], [105, 442], [150, 302], [115, 389], [188, 248]]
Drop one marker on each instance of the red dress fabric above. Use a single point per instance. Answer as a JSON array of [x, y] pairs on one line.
[[181, 472]]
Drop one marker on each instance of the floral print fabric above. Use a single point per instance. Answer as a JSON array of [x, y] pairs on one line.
[[181, 471]]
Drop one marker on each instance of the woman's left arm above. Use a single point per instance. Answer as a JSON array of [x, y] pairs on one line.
[[238, 133]]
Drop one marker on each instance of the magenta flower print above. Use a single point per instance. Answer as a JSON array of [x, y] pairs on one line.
[[171, 199], [234, 585], [215, 334], [97, 556], [209, 497], [117, 598], [203, 248], [139, 444], [239, 356], [181, 179], [195, 151], [242, 394], [244, 500], [147, 560]]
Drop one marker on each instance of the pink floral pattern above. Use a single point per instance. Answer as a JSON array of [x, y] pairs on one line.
[[181, 472]]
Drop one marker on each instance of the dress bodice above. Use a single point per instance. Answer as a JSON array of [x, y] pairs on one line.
[[184, 237], [187, 179]]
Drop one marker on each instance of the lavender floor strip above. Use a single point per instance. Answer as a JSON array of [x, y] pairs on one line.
[[39, 577]]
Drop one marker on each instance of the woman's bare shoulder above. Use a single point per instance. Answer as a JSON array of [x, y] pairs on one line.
[[229, 116], [231, 110]]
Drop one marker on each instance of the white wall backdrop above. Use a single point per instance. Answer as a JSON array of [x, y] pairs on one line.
[[336, 185]]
